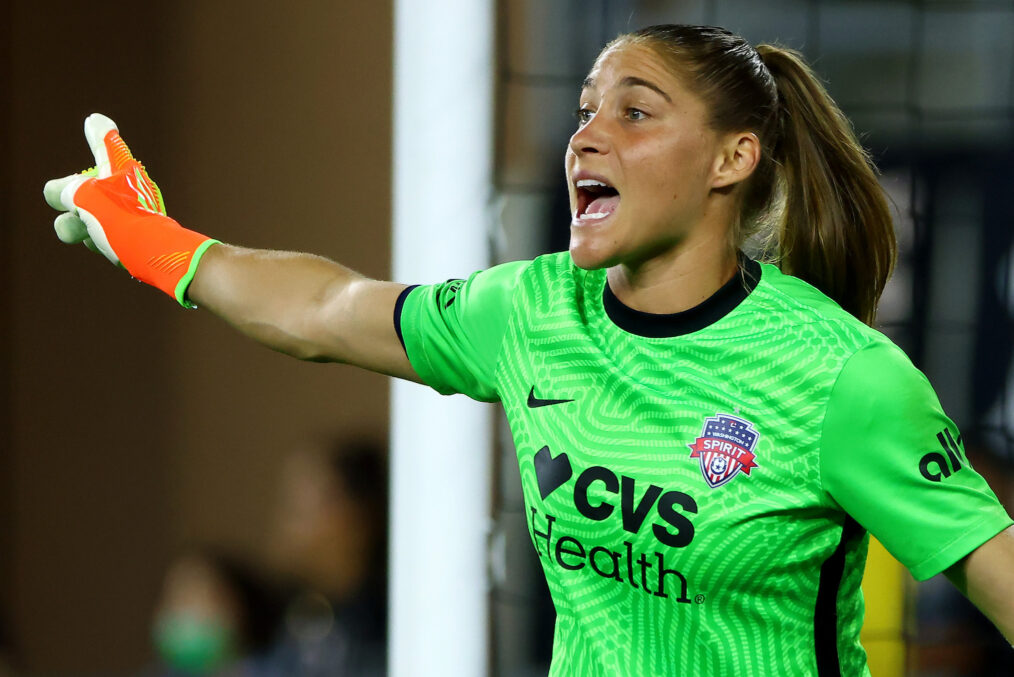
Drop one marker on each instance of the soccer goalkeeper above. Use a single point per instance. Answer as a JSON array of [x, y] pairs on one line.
[[705, 441]]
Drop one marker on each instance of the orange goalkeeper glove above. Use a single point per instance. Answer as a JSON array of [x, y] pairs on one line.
[[116, 209]]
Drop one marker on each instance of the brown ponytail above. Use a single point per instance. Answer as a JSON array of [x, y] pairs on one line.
[[834, 229], [814, 196]]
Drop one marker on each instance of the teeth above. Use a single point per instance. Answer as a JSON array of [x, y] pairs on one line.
[[585, 183], [593, 216]]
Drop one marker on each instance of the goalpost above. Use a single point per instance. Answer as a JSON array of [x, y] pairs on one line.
[[440, 447]]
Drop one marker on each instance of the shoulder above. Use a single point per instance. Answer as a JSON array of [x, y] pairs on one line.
[[552, 269], [501, 275], [802, 312], [867, 369], [544, 270], [553, 279], [493, 286], [879, 377]]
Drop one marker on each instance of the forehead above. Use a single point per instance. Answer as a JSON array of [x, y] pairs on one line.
[[628, 59]]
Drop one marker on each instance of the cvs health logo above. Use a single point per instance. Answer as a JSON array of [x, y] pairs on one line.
[[599, 494], [634, 502]]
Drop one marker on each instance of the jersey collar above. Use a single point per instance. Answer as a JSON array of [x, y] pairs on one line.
[[706, 313]]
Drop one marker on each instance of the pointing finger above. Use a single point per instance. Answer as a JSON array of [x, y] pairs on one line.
[[110, 151]]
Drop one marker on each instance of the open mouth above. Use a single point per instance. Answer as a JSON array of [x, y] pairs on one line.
[[595, 200]]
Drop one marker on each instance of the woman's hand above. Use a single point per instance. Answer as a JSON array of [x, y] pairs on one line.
[[116, 209], [299, 304]]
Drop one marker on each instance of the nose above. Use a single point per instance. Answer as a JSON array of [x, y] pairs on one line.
[[591, 137]]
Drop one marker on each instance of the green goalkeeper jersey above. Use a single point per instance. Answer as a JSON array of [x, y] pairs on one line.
[[700, 487]]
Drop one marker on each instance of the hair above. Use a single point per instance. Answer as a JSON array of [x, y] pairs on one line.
[[813, 202]]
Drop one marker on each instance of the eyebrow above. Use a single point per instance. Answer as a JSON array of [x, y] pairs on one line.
[[631, 81]]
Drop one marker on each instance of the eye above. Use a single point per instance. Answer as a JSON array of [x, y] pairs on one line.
[[583, 115], [636, 114]]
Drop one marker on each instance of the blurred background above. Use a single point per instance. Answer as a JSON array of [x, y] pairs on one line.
[[131, 429]]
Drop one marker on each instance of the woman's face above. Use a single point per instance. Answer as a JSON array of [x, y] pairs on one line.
[[644, 135]]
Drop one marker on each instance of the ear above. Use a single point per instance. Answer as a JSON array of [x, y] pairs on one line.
[[739, 155]]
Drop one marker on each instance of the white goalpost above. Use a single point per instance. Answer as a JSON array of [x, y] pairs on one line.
[[440, 446]]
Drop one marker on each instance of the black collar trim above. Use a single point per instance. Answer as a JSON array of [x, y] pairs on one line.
[[709, 311]]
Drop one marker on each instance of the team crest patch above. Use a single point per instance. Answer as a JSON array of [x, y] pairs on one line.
[[725, 447]]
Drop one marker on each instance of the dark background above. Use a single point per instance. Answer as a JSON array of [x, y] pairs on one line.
[[129, 425]]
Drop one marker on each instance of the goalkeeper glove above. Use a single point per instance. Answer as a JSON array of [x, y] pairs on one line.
[[116, 209]]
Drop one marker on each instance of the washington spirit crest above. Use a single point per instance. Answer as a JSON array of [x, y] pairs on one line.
[[725, 447]]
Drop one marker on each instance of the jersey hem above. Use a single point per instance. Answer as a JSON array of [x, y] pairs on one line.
[[417, 356], [958, 548], [399, 305]]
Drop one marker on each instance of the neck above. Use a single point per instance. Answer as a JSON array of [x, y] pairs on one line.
[[677, 280]]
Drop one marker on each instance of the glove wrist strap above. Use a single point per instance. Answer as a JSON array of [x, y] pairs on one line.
[[188, 277]]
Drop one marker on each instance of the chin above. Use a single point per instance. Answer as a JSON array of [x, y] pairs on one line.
[[589, 257]]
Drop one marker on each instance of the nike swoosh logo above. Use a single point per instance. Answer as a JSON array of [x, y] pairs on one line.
[[534, 401]]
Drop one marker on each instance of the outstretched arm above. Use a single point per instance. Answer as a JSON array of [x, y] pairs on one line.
[[299, 304], [303, 305], [986, 577]]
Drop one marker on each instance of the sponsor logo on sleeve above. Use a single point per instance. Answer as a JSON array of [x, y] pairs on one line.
[[935, 466], [450, 292]]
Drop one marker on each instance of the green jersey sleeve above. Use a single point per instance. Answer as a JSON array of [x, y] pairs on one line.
[[452, 331], [892, 459]]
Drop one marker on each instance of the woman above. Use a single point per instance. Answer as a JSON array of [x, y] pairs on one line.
[[329, 541], [704, 440], [216, 615]]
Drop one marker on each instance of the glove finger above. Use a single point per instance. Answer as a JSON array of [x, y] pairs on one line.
[[98, 236], [110, 151], [112, 155], [70, 229], [53, 191]]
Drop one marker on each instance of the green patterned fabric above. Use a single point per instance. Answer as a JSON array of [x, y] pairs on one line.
[[699, 502]]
